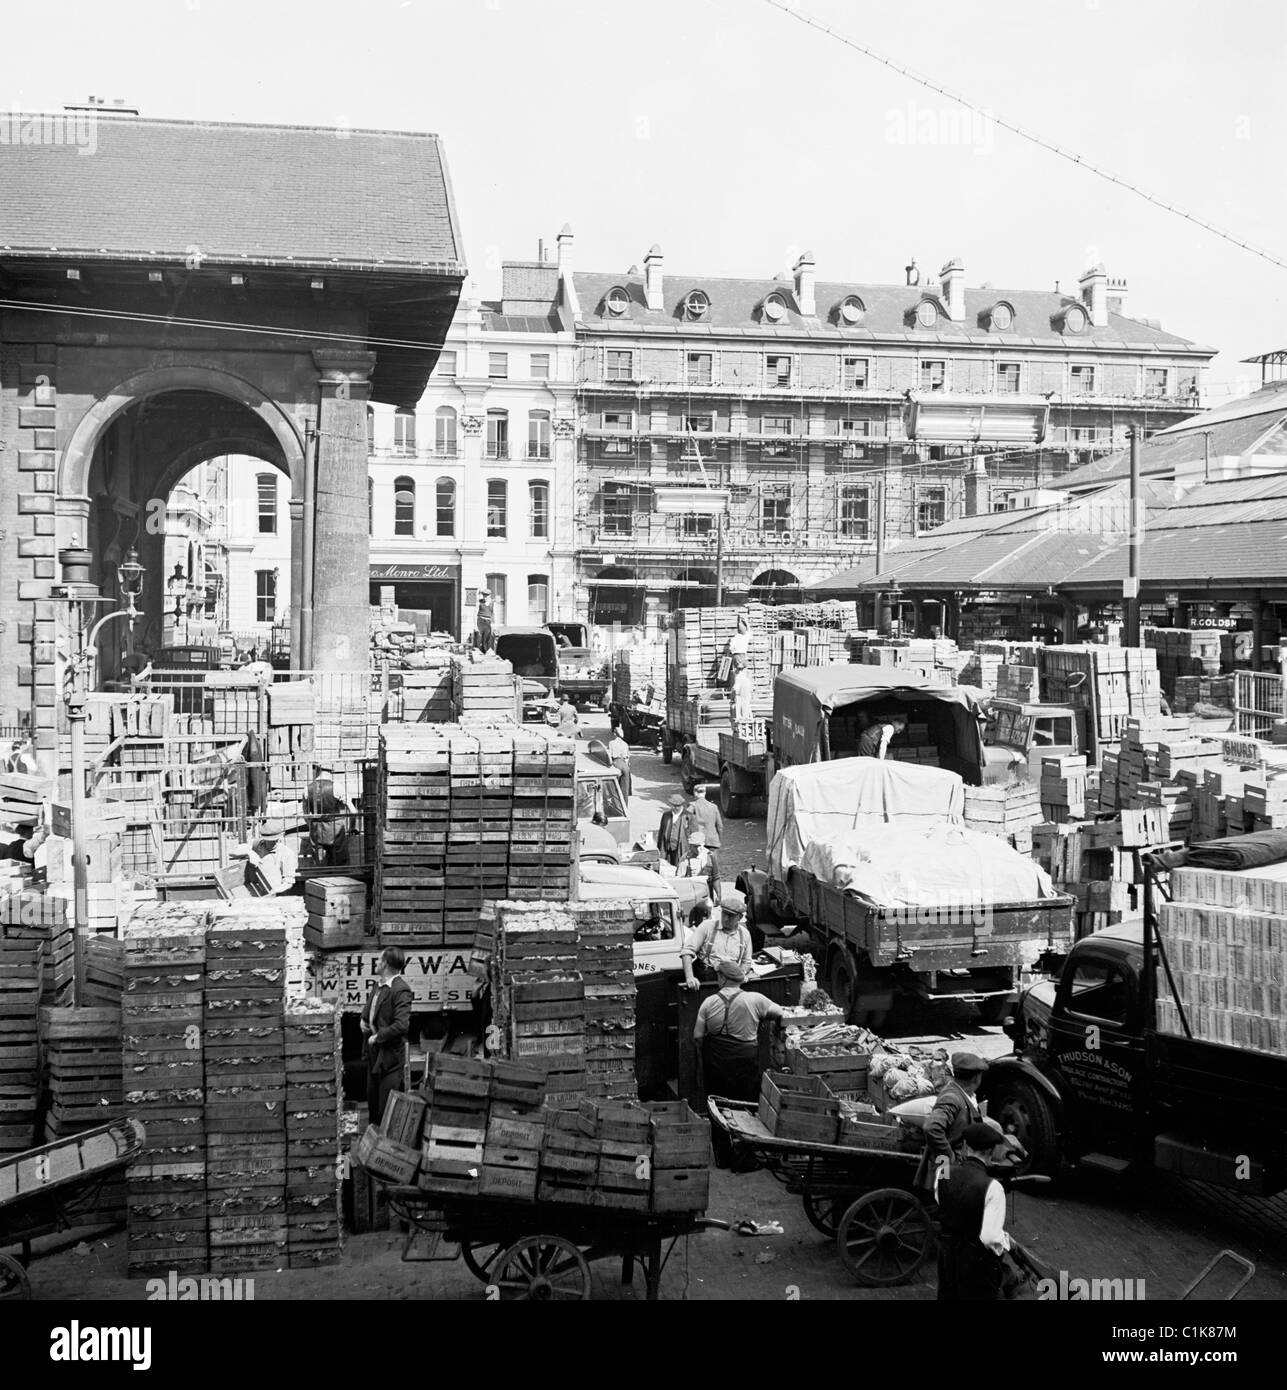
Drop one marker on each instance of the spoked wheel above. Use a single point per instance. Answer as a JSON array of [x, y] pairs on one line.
[[824, 1213], [480, 1256], [885, 1237], [13, 1279], [542, 1269]]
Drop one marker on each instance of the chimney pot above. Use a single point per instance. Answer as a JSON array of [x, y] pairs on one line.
[[805, 284], [953, 278], [1094, 293]]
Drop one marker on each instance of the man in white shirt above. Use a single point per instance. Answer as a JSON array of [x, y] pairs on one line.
[[743, 706], [972, 1217]]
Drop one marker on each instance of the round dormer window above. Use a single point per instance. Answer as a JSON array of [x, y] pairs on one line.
[[851, 309], [1075, 319], [618, 301], [926, 314], [697, 305], [774, 309], [1002, 317]]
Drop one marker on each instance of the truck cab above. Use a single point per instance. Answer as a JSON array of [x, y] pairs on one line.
[[660, 921], [583, 675], [599, 794], [1093, 1082], [1019, 735], [533, 654]]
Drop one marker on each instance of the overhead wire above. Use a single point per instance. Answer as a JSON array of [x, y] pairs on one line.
[[789, 7]]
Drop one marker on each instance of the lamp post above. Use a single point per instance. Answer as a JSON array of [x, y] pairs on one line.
[[78, 591]]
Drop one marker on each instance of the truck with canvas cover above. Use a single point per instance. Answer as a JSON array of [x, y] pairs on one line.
[[820, 713], [873, 860], [532, 652], [584, 677]]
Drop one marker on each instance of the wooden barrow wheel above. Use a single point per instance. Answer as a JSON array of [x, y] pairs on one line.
[[541, 1269], [885, 1237], [480, 1257], [824, 1213], [13, 1279]]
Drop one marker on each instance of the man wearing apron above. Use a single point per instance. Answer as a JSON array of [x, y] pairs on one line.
[[971, 1207], [727, 1037]]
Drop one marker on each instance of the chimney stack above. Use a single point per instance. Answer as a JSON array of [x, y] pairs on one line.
[[1094, 295], [804, 285], [913, 273], [953, 278], [1116, 295], [565, 271], [978, 490], [653, 279]]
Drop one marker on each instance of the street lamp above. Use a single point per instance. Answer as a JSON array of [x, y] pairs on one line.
[[78, 590]]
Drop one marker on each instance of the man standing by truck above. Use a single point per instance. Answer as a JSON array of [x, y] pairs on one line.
[[701, 814], [875, 742], [955, 1108]]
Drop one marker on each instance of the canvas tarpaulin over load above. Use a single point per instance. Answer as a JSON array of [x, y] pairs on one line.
[[926, 865], [805, 699], [824, 799]]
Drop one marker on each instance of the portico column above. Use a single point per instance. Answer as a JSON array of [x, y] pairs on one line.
[[341, 546]]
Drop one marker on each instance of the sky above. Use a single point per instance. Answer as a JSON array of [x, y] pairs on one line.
[[735, 136]]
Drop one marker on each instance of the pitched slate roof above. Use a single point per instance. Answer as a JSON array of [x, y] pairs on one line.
[[1223, 532], [255, 194], [1252, 425], [736, 307]]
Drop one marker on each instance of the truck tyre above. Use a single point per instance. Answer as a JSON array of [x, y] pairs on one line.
[[629, 729], [840, 985], [1025, 1112], [667, 747], [687, 769], [730, 803]]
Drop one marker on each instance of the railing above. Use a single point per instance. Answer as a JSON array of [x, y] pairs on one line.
[[538, 451], [497, 451], [1259, 701]]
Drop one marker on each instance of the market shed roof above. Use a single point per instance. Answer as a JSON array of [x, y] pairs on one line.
[[258, 194]]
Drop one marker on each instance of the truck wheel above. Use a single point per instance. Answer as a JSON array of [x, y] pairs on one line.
[[1022, 1110], [687, 770], [629, 729], [730, 803], [667, 747], [840, 986]]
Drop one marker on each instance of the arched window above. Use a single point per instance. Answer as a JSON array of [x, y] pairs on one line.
[[538, 434], [538, 599], [538, 498], [404, 506], [404, 431], [445, 506], [444, 432]]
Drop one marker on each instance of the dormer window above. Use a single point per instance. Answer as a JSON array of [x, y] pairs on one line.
[[775, 308], [1075, 319], [927, 313], [697, 305], [852, 310], [617, 301], [1001, 316]]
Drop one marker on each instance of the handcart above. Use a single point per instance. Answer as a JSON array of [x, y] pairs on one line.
[[541, 1251], [54, 1187], [863, 1198]]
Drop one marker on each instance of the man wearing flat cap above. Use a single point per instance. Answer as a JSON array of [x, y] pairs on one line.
[[957, 1105], [724, 938], [727, 1037], [971, 1204]]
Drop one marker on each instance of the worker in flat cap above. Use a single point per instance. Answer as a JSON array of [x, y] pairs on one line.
[[972, 1239], [725, 938], [668, 832], [727, 1035], [957, 1105]]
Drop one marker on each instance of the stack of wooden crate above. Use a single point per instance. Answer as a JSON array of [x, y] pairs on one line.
[[411, 850], [1183, 653], [1063, 788], [162, 1038], [1192, 691], [486, 689], [1111, 683], [1264, 802], [1009, 812], [23, 948], [22, 796], [798, 1107], [29, 914], [605, 960], [544, 993], [245, 1081], [681, 1157], [1016, 682], [543, 818], [455, 1130], [83, 1061], [638, 668], [236, 710], [313, 1099], [478, 833], [426, 695], [1228, 957]]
